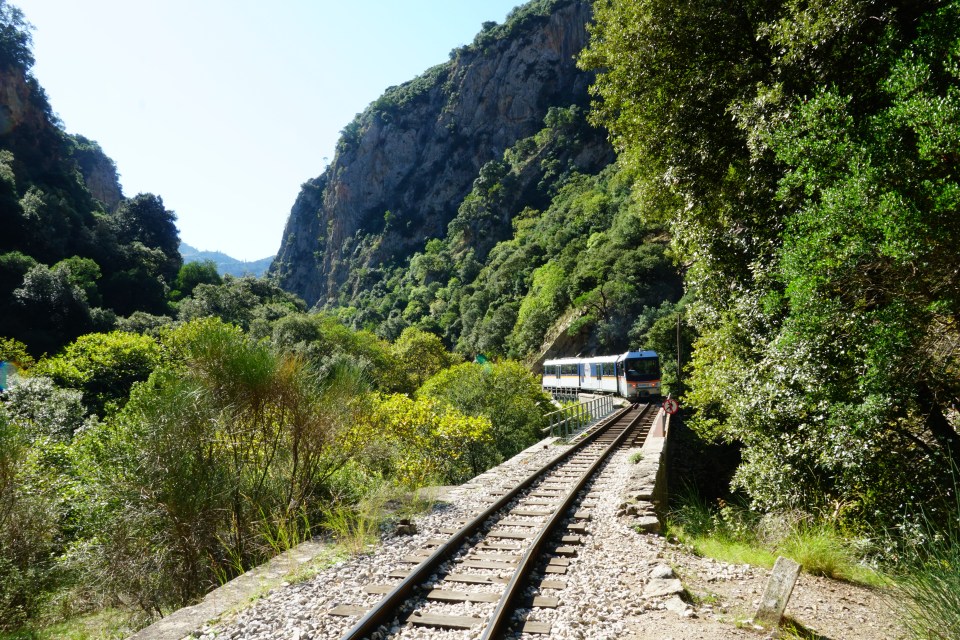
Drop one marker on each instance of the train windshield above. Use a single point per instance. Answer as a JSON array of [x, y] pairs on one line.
[[640, 369]]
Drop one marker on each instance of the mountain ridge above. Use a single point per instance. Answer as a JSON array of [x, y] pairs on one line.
[[226, 265], [404, 165]]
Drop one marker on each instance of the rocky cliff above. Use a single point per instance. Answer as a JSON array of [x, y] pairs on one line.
[[37, 154], [404, 166], [98, 170]]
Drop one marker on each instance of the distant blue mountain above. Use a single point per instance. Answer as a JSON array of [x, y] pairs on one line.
[[226, 264]]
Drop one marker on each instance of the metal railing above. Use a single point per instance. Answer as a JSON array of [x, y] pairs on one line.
[[565, 394], [575, 418]]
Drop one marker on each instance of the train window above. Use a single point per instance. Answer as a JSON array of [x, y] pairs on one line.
[[639, 369], [568, 369]]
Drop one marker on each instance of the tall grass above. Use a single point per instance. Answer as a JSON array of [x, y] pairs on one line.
[[355, 528], [357, 525], [282, 533], [732, 533], [930, 581]]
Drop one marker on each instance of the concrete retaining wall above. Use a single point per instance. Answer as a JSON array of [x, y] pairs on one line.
[[645, 498]]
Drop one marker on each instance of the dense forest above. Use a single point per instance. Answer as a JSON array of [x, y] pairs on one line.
[[74, 254], [804, 157], [779, 177]]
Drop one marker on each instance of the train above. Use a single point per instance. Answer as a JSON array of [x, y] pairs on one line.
[[632, 375]]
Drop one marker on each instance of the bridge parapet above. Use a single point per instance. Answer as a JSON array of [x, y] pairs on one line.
[[645, 498], [574, 419]]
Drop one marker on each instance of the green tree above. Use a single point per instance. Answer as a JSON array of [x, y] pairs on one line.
[[192, 274], [58, 308], [84, 273], [144, 219], [14, 265], [16, 42], [802, 155], [240, 301], [104, 366], [505, 393], [422, 355]]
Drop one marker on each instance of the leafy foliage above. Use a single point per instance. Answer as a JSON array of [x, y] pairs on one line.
[[328, 343], [423, 441], [15, 38], [58, 308], [224, 434], [15, 352], [192, 274], [422, 355], [103, 366], [30, 510], [803, 155], [245, 302], [143, 219], [504, 393], [41, 409]]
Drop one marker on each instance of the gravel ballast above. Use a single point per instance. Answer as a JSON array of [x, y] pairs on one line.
[[620, 585]]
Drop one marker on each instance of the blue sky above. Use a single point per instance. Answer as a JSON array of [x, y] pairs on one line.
[[225, 107]]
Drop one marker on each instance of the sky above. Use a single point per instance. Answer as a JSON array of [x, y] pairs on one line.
[[223, 108]]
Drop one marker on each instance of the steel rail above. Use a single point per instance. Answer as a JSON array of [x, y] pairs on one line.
[[385, 610], [501, 615]]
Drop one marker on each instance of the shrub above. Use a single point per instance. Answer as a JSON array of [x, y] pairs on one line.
[[422, 355], [29, 513], [41, 409], [425, 440], [227, 435], [103, 366], [15, 352], [505, 393]]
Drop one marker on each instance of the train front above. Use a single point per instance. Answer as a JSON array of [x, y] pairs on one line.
[[639, 374]]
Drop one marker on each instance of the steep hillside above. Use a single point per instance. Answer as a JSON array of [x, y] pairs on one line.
[[74, 254], [476, 202], [404, 165]]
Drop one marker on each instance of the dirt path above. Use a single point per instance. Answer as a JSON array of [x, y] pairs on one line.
[[724, 597]]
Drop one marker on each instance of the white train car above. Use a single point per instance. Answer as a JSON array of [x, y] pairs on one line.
[[600, 374], [632, 375], [638, 374], [561, 374]]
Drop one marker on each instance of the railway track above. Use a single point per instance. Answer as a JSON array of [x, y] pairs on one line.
[[507, 559]]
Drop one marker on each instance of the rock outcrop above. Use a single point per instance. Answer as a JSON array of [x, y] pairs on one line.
[[99, 172], [403, 167]]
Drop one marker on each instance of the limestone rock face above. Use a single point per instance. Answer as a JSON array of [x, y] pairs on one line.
[[403, 166], [19, 107], [29, 130], [100, 176]]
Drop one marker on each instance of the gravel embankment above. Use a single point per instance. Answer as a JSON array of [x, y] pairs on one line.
[[300, 611], [620, 585]]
